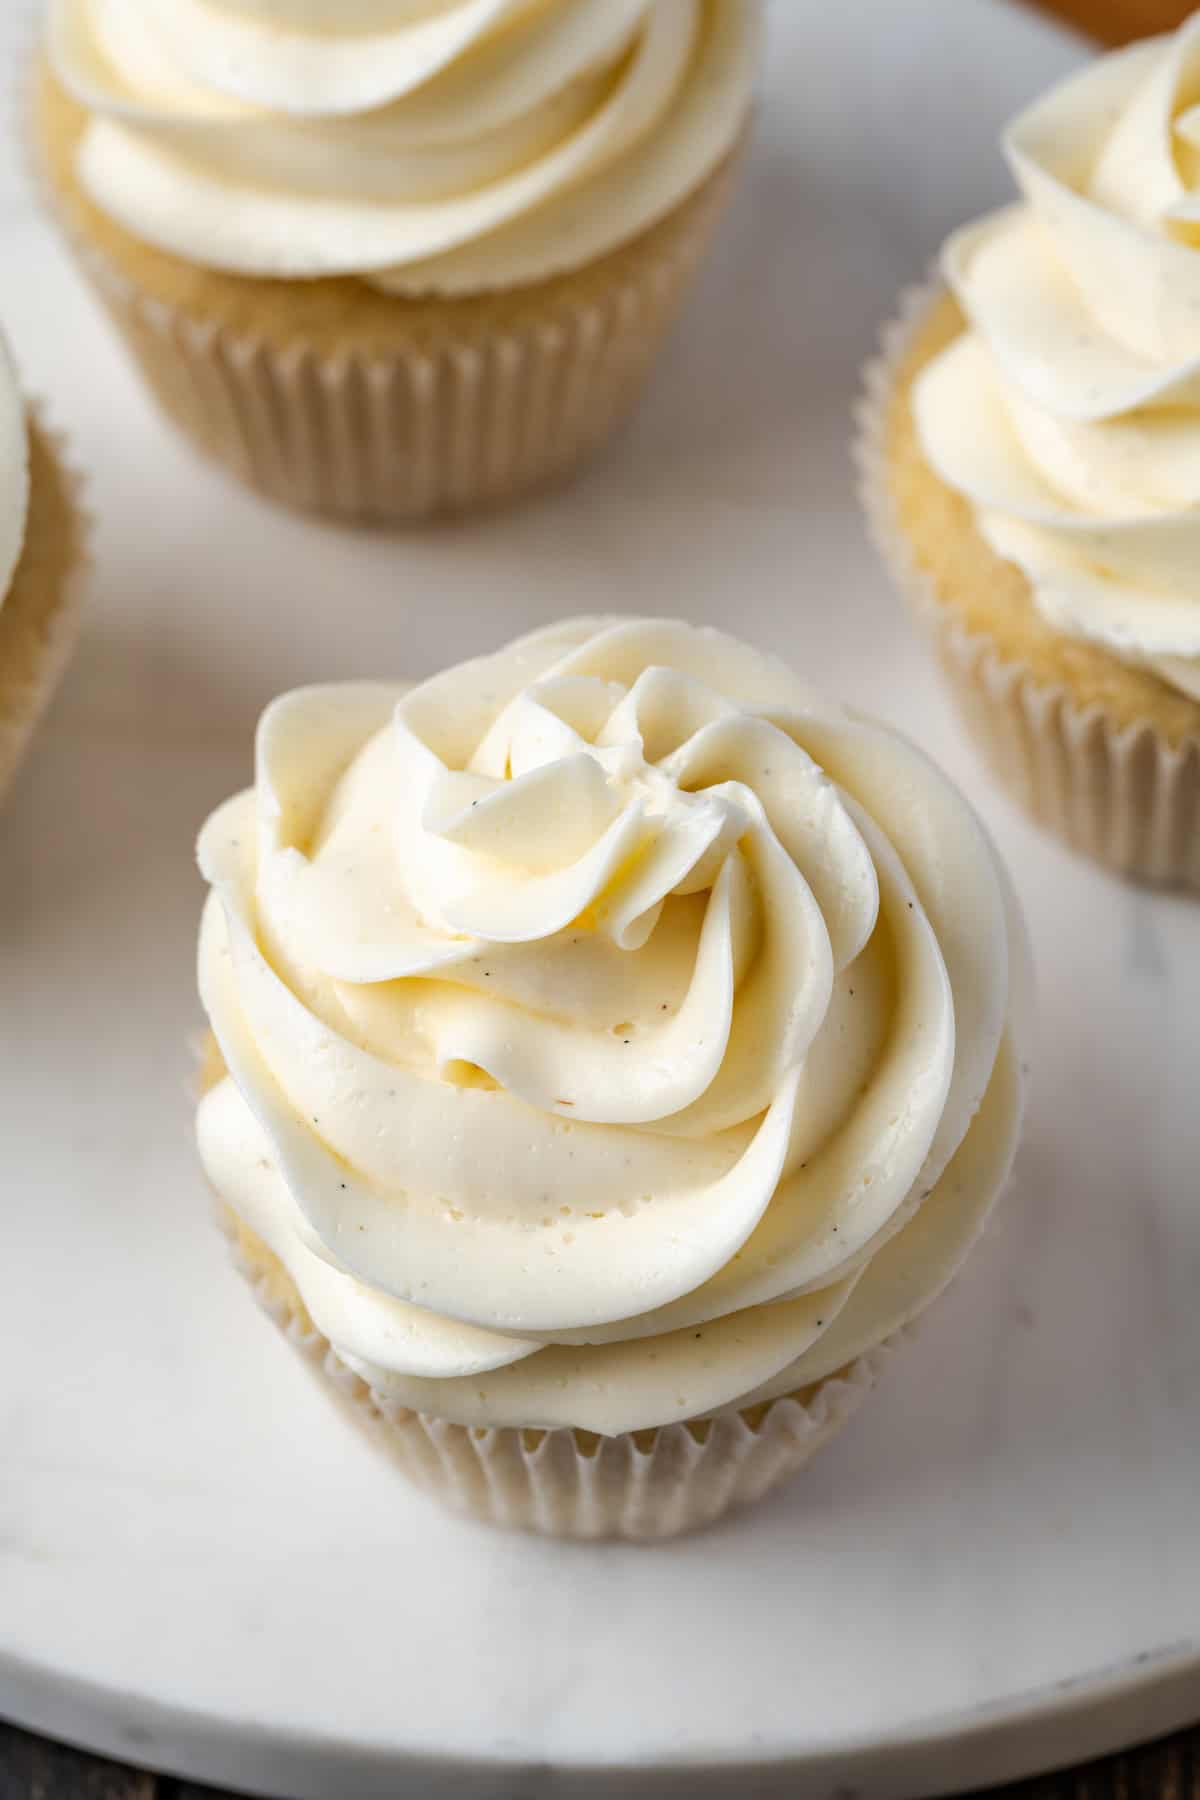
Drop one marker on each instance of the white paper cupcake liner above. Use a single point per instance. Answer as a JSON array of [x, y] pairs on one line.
[[1123, 796], [41, 614], [474, 407], [642, 1485]]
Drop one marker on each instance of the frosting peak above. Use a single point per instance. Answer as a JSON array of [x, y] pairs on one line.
[[603, 1014], [1069, 413], [428, 145]]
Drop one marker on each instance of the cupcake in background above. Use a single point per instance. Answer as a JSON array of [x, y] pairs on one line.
[[385, 262], [1031, 460], [42, 540], [615, 1048]]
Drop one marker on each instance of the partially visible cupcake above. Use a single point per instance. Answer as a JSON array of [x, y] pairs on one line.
[[1031, 454], [42, 537], [615, 1048], [386, 262]]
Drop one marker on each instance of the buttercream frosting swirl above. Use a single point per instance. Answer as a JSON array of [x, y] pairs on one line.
[[614, 1030], [427, 145], [14, 471], [1069, 412]]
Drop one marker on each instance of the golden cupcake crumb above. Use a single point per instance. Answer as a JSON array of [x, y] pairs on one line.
[[992, 598]]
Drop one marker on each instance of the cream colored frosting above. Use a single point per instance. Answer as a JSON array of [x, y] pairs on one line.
[[615, 1031], [14, 471], [428, 145], [1069, 412]]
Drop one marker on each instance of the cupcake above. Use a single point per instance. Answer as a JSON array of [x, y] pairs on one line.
[[42, 535], [615, 1047], [385, 262], [1031, 458]]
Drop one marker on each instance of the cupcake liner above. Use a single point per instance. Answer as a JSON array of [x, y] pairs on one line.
[[41, 614], [571, 1484], [1123, 795], [468, 404]]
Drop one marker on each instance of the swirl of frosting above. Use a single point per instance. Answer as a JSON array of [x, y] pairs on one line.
[[426, 145], [614, 1030], [14, 471], [1068, 414]]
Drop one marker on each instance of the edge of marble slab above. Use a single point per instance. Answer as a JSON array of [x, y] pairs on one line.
[[1074, 1720]]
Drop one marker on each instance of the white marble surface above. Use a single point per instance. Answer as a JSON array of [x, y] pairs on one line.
[[200, 1567]]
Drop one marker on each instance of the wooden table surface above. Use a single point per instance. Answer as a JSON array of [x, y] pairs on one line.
[[32, 1769]]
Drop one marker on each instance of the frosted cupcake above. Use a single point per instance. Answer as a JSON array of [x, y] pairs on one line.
[[1032, 461], [618, 1047], [41, 552], [385, 260]]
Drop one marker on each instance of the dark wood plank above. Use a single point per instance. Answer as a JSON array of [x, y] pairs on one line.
[[33, 1769], [1167, 1770]]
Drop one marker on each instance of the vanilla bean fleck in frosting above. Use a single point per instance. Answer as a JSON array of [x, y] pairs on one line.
[[14, 471], [426, 145], [1069, 412], [615, 1031]]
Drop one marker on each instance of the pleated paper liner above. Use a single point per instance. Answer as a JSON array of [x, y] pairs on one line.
[[41, 613], [331, 397], [1118, 788], [641, 1485], [650, 1484]]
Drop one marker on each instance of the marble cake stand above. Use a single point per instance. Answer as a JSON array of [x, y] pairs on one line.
[[201, 1568]]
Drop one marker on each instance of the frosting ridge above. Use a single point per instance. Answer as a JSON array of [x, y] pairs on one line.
[[445, 147], [1068, 414], [604, 1019]]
